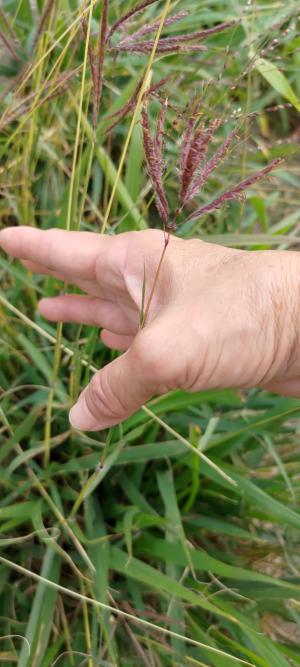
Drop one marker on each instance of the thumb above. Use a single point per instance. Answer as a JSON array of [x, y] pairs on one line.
[[117, 390]]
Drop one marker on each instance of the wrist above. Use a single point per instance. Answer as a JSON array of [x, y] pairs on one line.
[[279, 273]]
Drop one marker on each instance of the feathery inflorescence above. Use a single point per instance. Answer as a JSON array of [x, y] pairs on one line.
[[155, 161], [128, 16], [171, 44], [199, 180], [177, 39], [96, 58], [153, 27], [237, 192], [126, 108], [195, 144], [164, 46], [194, 169], [135, 42]]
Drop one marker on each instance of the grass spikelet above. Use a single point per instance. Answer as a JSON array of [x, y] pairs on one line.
[[155, 162], [166, 45], [159, 136], [120, 114], [210, 166], [237, 192], [172, 44], [187, 136], [147, 29], [196, 152], [129, 15]]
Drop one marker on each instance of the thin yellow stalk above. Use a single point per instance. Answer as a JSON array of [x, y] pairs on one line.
[[136, 113], [50, 502], [79, 119], [156, 277], [118, 612], [66, 631], [84, 188], [186, 442], [86, 624], [48, 416], [27, 169], [57, 352], [108, 646]]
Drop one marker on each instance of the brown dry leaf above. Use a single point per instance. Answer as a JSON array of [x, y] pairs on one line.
[[278, 629]]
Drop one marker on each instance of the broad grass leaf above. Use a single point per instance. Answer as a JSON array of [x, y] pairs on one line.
[[277, 80], [204, 562], [42, 611], [154, 579]]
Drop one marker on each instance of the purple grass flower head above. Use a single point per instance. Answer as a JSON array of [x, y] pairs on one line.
[[155, 161], [128, 16], [194, 169], [196, 151], [164, 46], [152, 27], [188, 136], [199, 181], [125, 110], [170, 44], [237, 192]]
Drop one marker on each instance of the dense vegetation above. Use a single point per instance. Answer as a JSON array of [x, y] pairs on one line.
[[172, 539]]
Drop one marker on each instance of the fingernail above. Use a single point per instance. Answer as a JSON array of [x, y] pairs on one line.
[[81, 418]]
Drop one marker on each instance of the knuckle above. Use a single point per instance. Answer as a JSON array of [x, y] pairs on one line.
[[152, 354], [147, 355], [101, 399]]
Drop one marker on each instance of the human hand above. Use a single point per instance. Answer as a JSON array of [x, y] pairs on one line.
[[219, 317]]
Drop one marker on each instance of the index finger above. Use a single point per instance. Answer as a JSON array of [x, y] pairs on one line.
[[76, 254]]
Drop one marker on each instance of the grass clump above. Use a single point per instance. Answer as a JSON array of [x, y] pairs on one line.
[[129, 547]]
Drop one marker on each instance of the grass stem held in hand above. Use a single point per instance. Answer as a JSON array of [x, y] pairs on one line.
[[156, 277]]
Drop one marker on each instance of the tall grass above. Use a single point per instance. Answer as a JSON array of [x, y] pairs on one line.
[[172, 539]]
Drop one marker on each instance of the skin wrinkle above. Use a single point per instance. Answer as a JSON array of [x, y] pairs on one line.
[[99, 392], [258, 306], [282, 311], [276, 329], [223, 318], [292, 298], [289, 363]]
